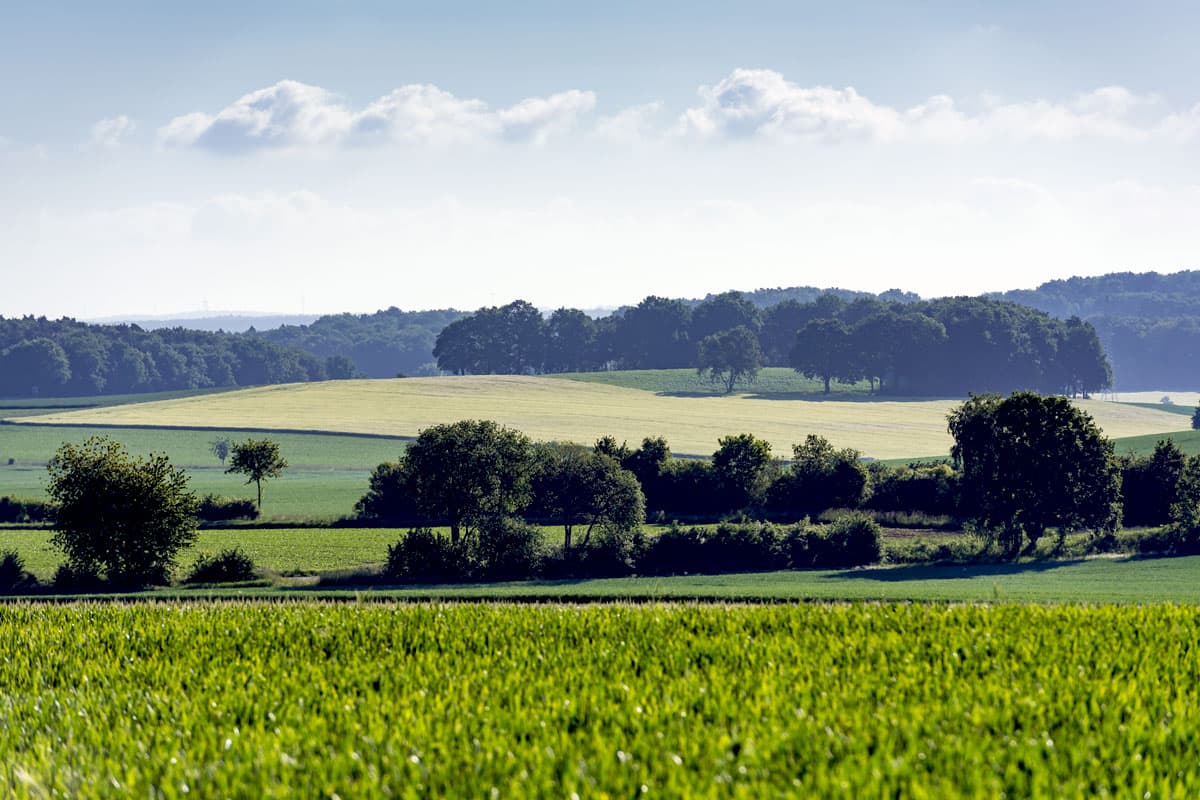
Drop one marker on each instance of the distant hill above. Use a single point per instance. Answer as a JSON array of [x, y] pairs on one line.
[[229, 323], [1149, 323]]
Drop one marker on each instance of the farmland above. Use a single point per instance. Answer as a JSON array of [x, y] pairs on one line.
[[568, 410], [832, 701]]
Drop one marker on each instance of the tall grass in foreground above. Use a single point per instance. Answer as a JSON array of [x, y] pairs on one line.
[[315, 700]]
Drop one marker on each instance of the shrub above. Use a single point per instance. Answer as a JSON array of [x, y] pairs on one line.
[[18, 510], [422, 556], [506, 549], [68, 578], [228, 566], [744, 548], [14, 579], [220, 509], [676, 550], [851, 541], [924, 488]]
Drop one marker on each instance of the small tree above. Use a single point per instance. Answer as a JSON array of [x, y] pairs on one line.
[[744, 468], [580, 487], [1196, 419], [122, 517], [220, 448], [730, 357], [258, 460]]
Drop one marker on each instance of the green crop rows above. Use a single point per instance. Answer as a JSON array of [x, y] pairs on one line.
[[311, 700]]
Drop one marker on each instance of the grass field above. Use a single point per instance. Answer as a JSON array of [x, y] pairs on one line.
[[771, 382], [312, 700], [567, 410], [336, 550], [326, 476]]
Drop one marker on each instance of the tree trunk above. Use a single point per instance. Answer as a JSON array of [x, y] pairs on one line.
[[827, 377], [258, 483]]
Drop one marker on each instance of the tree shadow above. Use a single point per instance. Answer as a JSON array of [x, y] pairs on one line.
[[936, 572]]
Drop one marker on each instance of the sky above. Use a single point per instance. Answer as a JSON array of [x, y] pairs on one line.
[[311, 157]]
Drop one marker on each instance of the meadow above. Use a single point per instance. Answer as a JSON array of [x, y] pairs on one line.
[[863, 700], [553, 409]]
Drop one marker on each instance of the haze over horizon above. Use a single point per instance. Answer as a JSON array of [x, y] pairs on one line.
[[292, 159]]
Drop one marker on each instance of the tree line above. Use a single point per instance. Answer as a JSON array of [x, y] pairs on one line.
[[947, 346], [41, 357]]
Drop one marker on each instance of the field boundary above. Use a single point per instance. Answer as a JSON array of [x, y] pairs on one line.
[[207, 428]]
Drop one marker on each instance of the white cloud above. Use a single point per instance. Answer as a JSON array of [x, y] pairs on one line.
[[110, 133], [633, 124], [762, 103], [295, 115]]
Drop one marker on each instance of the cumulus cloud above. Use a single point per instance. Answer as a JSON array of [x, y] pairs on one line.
[[633, 124], [763, 103], [111, 133], [296, 115]]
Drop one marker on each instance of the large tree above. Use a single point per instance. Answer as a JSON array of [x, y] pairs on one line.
[[823, 349], [119, 517], [1032, 462], [580, 487], [465, 473], [819, 477], [723, 312], [744, 468], [730, 357]]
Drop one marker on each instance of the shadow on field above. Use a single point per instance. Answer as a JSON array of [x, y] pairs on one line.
[[923, 572], [812, 397]]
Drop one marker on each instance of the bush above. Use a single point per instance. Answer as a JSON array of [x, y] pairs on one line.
[[929, 489], [220, 509], [850, 541], [422, 556], [77, 579], [748, 547], [14, 579], [227, 566], [675, 551], [18, 510], [506, 549]]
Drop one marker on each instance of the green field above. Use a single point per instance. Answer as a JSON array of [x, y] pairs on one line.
[[552, 409], [312, 700], [326, 476]]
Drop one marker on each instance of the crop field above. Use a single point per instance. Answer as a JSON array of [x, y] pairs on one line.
[[314, 700], [772, 381], [566, 410]]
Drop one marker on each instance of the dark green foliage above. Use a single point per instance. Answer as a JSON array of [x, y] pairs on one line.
[[34, 367], [422, 556], [1150, 486], [820, 477], [79, 578], [1196, 418], [466, 473], [583, 488], [25, 510], [505, 549], [506, 340], [744, 469], [14, 578], [391, 494], [258, 460], [118, 516], [228, 566], [222, 509], [1031, 462], [730, 357], [922, 488], [849, 541], [823, 349]]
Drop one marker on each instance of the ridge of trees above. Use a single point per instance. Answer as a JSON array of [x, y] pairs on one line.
[[948, 346]]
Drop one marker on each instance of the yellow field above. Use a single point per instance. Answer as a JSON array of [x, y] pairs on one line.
[[551, 409]]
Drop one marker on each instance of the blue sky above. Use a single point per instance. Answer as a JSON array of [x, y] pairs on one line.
[[162, 158]]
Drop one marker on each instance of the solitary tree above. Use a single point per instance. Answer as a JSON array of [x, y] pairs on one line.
[[220, 448], [258, 460], [1031, 462], [120, 517], [730, 356]]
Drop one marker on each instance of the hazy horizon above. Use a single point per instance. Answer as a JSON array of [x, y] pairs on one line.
[[294, 159]]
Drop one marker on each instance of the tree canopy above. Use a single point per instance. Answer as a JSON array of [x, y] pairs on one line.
[[259, 460]]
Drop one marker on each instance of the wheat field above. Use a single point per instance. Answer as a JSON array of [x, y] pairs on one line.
[[549, 409]]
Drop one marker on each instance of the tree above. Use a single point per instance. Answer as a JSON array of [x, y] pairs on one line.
[[220, 448], [654, 335], [120, 517], [820, 477], [34, 366], [468, 472], [724, 312], [729, 357], [579, 486], [823, 350], [743, 467], [1196, 418], [1031, 462], [258, 460], [1150, 485]]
